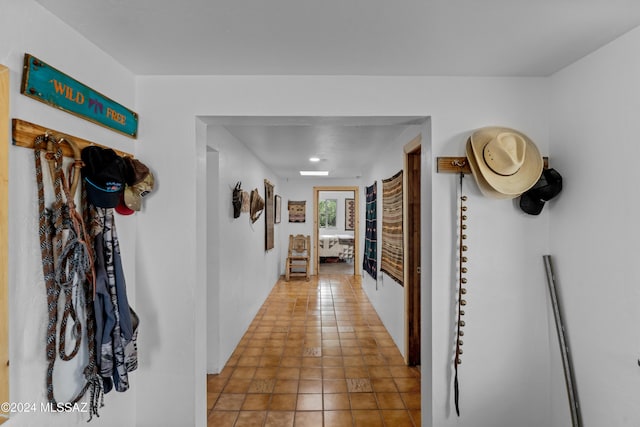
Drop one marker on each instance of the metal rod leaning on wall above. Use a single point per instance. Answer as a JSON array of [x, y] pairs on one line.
[[574, 406]]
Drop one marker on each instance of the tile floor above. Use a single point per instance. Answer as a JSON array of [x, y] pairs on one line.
[[335, 268], [316, 354]]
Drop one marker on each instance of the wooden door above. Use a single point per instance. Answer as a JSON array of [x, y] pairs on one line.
[[413, 257]]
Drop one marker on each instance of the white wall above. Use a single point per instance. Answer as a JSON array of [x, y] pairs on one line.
[[507, 345], [247, 272], [386, 295], [25, 27], [594, 227]]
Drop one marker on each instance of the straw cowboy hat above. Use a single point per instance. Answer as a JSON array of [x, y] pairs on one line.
[[505, 162]]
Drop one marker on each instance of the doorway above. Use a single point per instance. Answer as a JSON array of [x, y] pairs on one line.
[[212, 132], [336, 223], [413, 154]]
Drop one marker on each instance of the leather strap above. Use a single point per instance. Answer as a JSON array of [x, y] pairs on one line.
[[462, 270]]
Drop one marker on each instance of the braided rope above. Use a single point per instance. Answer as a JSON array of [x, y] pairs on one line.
[[96, 388], [66, 262]]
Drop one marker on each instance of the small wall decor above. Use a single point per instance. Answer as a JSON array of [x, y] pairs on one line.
[[278, 209], [370, 261], [46, 84], [257, 205], [245, 202], [269, 215], [297, 211], [349, 214], [236, 199], [392, 258]]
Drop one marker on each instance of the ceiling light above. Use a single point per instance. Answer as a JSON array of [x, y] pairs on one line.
[[314, 173], [314, 159]]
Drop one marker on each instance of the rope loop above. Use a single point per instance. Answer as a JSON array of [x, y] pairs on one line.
[[67, 267]]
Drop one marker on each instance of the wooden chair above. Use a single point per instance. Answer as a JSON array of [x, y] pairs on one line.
[[297, 264]]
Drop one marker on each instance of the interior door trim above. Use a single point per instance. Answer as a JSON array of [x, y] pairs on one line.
[[356, 229], [4, 237]]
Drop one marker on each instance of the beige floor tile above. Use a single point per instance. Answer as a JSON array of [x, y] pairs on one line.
[[310, 373], [235, 385], [309, 402], [316, 354], [336, 401], [286, 386], [222, 418], [283, 402], [308, 419], [310, 386], [383, 385], [338, 419], [256, 402], [229, 402], [390, 401], [397, 418], [334, 385], [411, 400], [367, 418], [243, 372], [363, 401], [279, 419], [250, 419]]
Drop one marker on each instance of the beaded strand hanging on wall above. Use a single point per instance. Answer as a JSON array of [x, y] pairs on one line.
[[461, 283]]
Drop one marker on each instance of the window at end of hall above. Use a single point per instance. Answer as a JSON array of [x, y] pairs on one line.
[[327, 213]]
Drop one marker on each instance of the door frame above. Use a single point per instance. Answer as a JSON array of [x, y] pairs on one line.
[[412, 281], [4, 238], [356, 228]]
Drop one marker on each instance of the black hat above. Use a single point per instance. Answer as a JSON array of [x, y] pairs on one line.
[[548, 186], [104, 176]]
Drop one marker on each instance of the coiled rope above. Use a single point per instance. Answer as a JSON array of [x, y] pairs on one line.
[[66, 263]]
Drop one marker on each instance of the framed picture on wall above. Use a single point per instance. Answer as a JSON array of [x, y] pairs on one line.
[[269, 214], [349, 214], [278, 209], [297, 211]]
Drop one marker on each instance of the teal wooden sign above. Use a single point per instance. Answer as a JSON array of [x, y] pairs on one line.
[[47, 84]]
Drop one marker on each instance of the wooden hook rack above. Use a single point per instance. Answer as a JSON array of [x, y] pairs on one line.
[[24, 134], [461, 165]]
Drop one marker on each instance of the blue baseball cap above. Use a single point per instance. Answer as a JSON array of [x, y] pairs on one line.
[[104, 176]]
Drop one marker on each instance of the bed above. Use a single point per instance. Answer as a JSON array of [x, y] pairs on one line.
[[335, 247]]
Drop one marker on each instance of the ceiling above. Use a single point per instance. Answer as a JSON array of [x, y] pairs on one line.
[[343, 37], [348, 37], [344, 145]]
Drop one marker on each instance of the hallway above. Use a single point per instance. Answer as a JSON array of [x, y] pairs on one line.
[[316, 354]]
